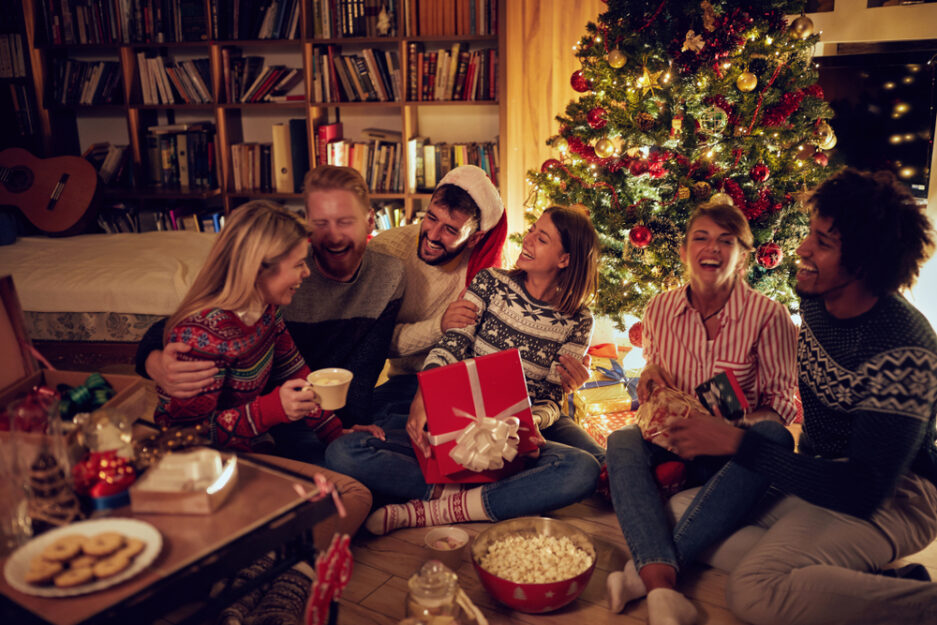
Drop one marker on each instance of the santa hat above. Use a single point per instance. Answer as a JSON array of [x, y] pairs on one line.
[[493, 220]]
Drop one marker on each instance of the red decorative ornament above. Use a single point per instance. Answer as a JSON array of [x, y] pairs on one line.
[[759, 173], [821, 159], [635, 334], [579, 82], [549, 165], [596, 118], [769, 255], [640, 236]]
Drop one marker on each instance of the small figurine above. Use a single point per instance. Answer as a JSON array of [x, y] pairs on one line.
[[383, 22]]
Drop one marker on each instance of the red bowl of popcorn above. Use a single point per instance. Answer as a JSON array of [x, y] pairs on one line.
[[533, 564]]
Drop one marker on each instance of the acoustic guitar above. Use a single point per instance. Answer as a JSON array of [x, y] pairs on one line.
[[55, 194]]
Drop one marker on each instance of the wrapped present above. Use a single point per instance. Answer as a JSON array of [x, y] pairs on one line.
[[608, 389], [479, 419], [665, 403], [601, 425]]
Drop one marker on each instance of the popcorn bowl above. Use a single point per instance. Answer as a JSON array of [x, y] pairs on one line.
[[532, 597]]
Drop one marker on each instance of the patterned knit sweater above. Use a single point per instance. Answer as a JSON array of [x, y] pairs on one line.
[[247, 357], [509, 317], [869, 390]]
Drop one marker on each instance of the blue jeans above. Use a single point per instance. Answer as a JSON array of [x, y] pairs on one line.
[[561, 475], [718, 509], [565, 430], [392, 399]]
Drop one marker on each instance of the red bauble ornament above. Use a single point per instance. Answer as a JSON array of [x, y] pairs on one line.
[[579, 82], [635, 334], [769, 255], [821, 159], [549, 164], [640, 236], [759, 173], [596, 118]]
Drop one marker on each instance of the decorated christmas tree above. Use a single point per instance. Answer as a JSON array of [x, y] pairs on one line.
[[678, 103]]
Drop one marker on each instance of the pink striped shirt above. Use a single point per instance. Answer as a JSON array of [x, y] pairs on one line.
[[756, 341]]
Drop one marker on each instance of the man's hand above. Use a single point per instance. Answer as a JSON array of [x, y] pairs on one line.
[[573, 372], [375, 430], [459, 314], [416, 424], [652, 376], [702, 434], [298, 399], [179, 378]]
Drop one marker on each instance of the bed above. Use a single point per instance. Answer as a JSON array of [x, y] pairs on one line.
[[88, 299]]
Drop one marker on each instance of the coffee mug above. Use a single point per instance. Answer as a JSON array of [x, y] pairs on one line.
[[331, 385]]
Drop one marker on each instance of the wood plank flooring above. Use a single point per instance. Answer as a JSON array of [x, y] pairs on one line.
[[375, 594]]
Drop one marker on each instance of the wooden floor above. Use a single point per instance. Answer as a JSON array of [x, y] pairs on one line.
[[383, 564]]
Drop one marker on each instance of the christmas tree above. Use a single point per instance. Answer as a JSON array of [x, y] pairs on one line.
[[681, 102]]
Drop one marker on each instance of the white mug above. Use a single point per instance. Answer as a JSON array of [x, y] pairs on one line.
[[331, 385]]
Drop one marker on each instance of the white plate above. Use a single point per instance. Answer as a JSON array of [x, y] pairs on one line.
[[18, 563]]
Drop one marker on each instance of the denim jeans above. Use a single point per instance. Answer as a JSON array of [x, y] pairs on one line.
[[565, 430], [561, 475], [717, 510], [392, 399]]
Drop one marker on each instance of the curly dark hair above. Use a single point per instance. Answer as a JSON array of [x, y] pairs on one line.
[[885, 235]]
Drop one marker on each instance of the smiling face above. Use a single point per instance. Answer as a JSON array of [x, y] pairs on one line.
[[278, 284], [445, 233], [340, 227], [821, 272], [712, 254], [542, 250]]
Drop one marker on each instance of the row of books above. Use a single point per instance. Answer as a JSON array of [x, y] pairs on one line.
[[121, 218], [121, 21], [111, 161], [23, 106], [182, 156], [12, 59], [256, 19], [167, 82], [454, 74], [277, 166], [389, 214], [428, 162], [354, 18], [451, 17], [378, 161], [371, 76], [74, 82], [273, 83]]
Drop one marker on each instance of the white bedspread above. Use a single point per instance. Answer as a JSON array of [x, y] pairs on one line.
[[141, 273]]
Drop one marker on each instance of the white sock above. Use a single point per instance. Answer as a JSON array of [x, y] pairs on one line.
[[666, 606], [623, 587], [460, 507]]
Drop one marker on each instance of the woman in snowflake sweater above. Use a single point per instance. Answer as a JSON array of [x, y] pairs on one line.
[[539, 308], [231, 316]]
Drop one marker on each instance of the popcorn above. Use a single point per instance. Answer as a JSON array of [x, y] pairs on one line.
[[535, 559]]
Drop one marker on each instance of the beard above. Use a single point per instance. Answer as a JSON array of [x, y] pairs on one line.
[[444, 258]]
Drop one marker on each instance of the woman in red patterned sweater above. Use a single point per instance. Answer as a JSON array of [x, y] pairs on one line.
[[231, 316]]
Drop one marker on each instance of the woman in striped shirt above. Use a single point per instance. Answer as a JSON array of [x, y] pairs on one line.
[[714, 323]]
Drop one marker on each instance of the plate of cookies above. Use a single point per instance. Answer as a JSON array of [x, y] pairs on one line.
[[83, 557]]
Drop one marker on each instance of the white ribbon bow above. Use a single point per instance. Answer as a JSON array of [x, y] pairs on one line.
[[487, 442]]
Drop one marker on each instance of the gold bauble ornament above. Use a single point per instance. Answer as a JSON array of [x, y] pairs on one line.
[[561, 144], [826, 138], [683, 193], [721, 198], [802, 27], [746, 82], [829, 143], [616, 58], [604, 148]]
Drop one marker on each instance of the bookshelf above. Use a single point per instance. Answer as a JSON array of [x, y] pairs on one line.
[[202, 37]]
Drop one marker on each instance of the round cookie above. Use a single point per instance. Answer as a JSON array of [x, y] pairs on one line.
[[82, 562], [74, 577], [103, 544], [111, 566], [42, 571], [64, 548], [132, 548]]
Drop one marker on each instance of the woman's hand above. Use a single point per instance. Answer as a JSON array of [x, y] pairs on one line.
[[416, 424], [702, 434], [375, 430], [573, 372], [298, 399], [651, 377]]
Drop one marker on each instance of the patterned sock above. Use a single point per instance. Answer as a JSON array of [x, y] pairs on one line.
[[285, 601], [236, 613], [463, 506], [623, 587], [666, 606]]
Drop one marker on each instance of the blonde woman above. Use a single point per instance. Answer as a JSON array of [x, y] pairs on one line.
[[231, 316]]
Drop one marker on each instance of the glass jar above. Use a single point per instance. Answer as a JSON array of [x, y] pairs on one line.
[[432, 595]]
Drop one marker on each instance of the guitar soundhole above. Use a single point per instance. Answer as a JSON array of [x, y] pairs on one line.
[[18, 179]]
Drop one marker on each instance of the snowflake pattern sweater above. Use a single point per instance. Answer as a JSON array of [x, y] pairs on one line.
[[869, 391], [509, 317], [248, 358]]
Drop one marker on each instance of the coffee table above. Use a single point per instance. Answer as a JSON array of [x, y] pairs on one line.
[[263, 514]]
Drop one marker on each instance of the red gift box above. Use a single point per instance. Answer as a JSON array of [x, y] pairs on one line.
[[472, 408], [601, 425]]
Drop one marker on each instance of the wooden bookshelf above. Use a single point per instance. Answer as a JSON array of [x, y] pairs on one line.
[[235, 121]]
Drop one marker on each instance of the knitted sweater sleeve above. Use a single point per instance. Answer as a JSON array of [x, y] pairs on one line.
[[547, 394], [458, 343]]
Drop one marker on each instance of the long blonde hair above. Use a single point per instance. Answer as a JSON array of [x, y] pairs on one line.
[[256, 237]]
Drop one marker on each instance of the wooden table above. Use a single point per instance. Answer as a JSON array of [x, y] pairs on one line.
[[264, 513]]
